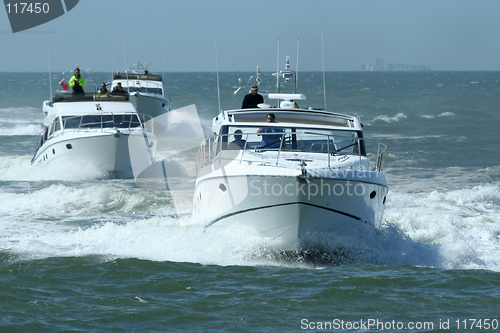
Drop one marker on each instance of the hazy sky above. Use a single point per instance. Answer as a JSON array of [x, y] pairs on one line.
[[181, 35]]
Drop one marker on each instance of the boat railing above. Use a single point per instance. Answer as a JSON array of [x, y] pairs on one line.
[[154, 91], [219, 149], [128, 120], [137, 76], [99, 122], [89, 97]]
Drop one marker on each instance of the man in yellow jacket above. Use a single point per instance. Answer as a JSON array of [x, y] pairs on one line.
[[77, 82]]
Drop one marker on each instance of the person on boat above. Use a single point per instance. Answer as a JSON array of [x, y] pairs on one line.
[[253, 99], [118, 89], [104, 90], [237, 143], [77, 82], [270, 140]]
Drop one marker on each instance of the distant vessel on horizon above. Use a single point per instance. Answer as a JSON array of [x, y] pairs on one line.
[[380, 65]]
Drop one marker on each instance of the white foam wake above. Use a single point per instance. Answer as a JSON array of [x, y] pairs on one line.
[[451, 230]]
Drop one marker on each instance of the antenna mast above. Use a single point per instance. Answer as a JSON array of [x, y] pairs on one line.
[[217, 69], [323, 56], [124, 57], [278, 69], [112, 64], [297, 66], [126, 71], [50, 72]]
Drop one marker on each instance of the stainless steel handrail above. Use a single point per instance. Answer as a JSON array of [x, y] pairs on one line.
[[208, 156], [145, 121]]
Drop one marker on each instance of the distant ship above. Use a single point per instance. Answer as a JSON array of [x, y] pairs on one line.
[[380, 65]]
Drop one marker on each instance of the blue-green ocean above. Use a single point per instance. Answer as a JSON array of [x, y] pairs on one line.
[[79, 253]]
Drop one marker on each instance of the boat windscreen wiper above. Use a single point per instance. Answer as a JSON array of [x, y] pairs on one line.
[[270, 144], [352, 144]]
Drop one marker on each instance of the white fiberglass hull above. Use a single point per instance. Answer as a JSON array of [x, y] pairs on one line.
[[108, 152], [289, 206], [150, 104]]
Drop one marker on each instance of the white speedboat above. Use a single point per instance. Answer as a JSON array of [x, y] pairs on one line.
[[306, 173], [146, 90], [100, 132]]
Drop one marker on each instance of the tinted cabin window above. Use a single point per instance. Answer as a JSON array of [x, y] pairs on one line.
[[126, 121], [302, 139], [58, 125], [108, 121], [102, 121], [93, 121], [144, 90], [71, 122]]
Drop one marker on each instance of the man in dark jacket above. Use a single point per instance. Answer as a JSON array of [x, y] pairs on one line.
[[253, 99]]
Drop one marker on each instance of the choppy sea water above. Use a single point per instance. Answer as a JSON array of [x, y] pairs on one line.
[[82, 253]]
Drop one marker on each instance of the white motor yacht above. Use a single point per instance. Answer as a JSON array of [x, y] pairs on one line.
[[146, 90], [306, 172], [101, 132]]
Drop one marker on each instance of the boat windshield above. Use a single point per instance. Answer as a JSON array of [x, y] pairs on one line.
[[102, 121], [157, 91], [293, 139]]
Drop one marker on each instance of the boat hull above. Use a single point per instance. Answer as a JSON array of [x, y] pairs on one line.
[[108, 152], [289, 206], [150, 104]]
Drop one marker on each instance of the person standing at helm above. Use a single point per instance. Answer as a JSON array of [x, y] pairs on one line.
[[77, 82], [253, 99]]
